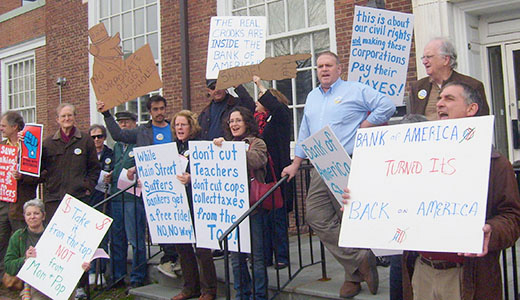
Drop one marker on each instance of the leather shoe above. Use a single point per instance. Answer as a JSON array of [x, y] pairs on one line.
[[349, 289], [207, 296], [368, 270], [185, 295]]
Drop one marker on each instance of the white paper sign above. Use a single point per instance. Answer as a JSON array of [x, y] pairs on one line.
[[420, 186], [101, 185], [164, 197], [235, 41], [123, 182], [330, 159], [380, 50], [219, 182], [70, 239]]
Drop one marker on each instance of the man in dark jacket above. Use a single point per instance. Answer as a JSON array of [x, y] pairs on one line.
[[440, 59], [69, 162], [212, 117], [433, 275]]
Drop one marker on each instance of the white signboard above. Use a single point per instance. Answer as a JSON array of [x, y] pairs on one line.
[[164, 196], [330, 160], [420, 186], [70, 239], [219, 183], [235, 41], [380, 50]]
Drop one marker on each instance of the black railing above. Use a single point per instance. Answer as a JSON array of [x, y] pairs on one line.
[[514, 269], [304, 179]]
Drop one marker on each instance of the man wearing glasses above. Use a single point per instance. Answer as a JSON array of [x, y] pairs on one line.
[[221, 103], [440, 59]]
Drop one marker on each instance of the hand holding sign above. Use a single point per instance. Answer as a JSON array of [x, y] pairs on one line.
[[31, 142], [271, 68]]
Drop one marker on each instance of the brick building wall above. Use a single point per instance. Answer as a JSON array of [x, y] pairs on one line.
[[8, 5]]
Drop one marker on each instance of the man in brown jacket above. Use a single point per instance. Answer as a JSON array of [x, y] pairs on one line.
[[440, 59], [69, 162], [468, 276]]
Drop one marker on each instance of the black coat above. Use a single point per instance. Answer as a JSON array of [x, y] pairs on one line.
[[277, 137]]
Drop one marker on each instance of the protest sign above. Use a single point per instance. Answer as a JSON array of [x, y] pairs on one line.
[[219, 184], [330, 160], [8, 163], [123, 182], [420, 186], [116, 80], [271, 68], [31, 148], [235, 41], [70, 239], [164, 196], [380, 50]]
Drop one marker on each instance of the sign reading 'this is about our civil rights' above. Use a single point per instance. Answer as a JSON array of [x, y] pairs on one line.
[[380, 50], [235, 41], [420, 186]]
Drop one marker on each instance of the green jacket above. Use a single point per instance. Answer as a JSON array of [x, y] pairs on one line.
[[124, 159], [15, 255]]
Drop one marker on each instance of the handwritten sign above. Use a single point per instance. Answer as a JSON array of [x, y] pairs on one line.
[[235, 41], [380, 50], [271, 68], [420, 186], [70, 239], [31, 148], [8, 163], [330, 159], [164, 196], [219, 183], [116, 80]]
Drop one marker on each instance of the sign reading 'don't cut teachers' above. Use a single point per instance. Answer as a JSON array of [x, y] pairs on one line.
[[219, 183], [70, 239], [420, 186], [235, 41], [380, 50], [164, 196], [330, 160]]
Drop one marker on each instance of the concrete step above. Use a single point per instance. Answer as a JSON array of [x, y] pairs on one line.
[[157, 292]]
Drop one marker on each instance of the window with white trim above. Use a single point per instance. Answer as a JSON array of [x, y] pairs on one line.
[[294, 26], [21, 87], [137, 22]]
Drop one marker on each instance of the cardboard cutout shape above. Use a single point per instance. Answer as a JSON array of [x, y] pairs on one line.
[[116, 80], [271, 68]]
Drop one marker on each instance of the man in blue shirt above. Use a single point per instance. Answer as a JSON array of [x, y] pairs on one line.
[[345, 107]]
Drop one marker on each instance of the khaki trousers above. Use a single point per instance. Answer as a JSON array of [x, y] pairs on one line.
[[432, 284]]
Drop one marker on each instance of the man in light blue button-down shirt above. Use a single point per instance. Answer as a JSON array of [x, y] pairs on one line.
[[345, 106]]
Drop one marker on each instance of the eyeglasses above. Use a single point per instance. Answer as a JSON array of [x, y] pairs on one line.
[[235, 121], [99, 136], [182, 125]]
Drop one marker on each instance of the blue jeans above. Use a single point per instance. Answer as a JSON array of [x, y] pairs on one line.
[[242, 279], [275, 236], [129, 225], [396, 278], [95, 198]]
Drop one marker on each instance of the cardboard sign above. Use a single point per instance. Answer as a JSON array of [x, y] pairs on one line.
[[271, 68], [116, 80], [31, 148], [235, 41], [8, 163], [330, 159], [420, 186], [70, 239], [164, 196], [219, 183], [380, 50]]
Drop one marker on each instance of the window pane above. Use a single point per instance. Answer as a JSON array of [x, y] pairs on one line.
[[302, 44], [281, 47], [106, 22], [152, 40], [253, 2], [321, 41], [257, 11], [242, 12], [317, 12], [150, 1], [127, 5], [139, 42], [114, 25], [299, 117], [268, 47], [139, 21], [138, 3], [127, 25], [103, 8], [145, 116], [296, 10], [151, 18], [276, 17], [239, 3], [303, 85], [115, 8], [127, 47], [132, 106], [285, 86]]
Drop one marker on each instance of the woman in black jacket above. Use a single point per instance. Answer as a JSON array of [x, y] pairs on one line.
[[274, 121]]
